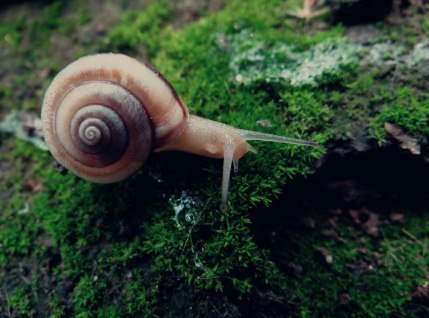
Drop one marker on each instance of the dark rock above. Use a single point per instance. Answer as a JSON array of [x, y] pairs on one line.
[[307, 222], [367, 220], [360, 11], [332, 234], [421, 295], [397, 218], [294, 269], [362, 267], [352, 191], [325, 254]]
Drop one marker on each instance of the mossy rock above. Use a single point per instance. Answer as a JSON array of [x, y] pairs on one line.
[[156, 244]]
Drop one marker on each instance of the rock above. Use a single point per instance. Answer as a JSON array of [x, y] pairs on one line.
[[397, 218], [405, 141], [352, 191], [421, 295], [326, 255], [368, 221], [295, 269], [307, 222], [360, 11], [332, 234], [362, 267]]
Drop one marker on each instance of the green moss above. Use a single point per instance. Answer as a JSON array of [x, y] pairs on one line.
[[404, 108], [377, 287], [41, 28], [31, 38], [140, 300], [16, 231], [124, 249], [11, 33], [221, 258], [139, 28], [19, 301], [57, 307], [88, 295]]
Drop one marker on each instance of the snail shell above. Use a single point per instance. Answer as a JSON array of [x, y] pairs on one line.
[[103, 114]]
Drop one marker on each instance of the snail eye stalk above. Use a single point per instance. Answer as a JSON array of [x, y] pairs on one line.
[[229, 150]]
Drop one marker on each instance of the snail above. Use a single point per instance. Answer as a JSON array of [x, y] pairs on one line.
[[103, 114]]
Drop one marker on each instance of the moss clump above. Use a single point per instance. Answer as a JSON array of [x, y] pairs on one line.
[[139, 28], [11, 33], [405, 109], [30, 44], [376, 275]]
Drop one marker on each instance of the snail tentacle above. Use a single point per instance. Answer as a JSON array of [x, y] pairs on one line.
[[235, 165], [256, 135], [226, 172]]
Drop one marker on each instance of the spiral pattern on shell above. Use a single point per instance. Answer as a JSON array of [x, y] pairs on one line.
[[103, 114]]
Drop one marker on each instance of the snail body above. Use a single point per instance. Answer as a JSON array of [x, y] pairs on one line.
[[103, 114]]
